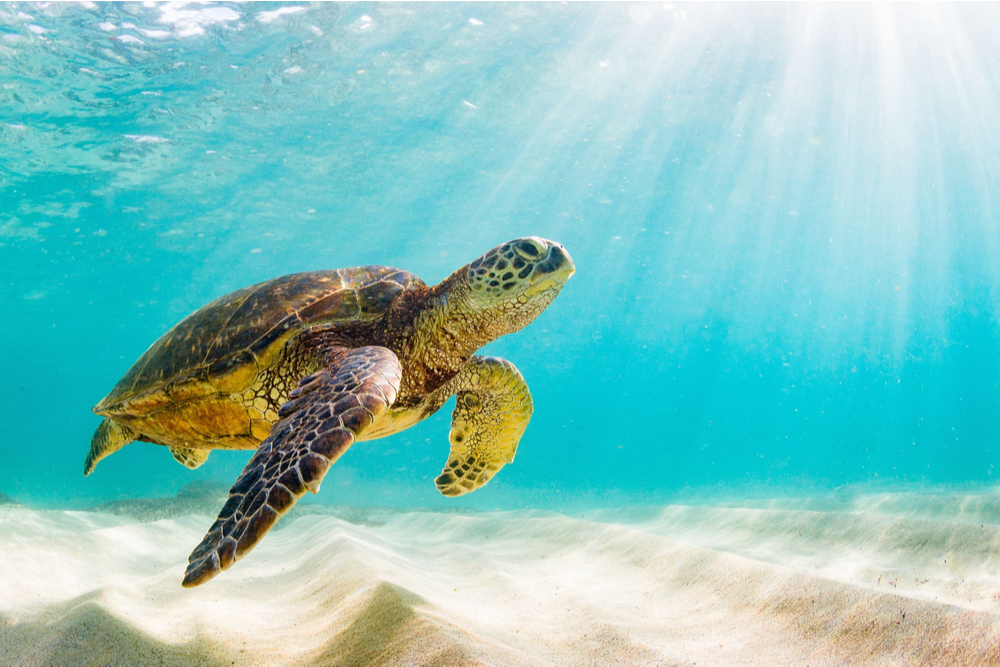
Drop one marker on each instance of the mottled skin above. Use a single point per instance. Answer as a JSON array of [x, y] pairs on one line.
[[302, 366]]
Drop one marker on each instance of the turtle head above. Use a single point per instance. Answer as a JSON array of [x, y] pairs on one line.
[[512, 284]]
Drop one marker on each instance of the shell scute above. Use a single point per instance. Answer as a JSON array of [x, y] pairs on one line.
[[342, 306], [234, 374], [184, 389], [375, 298], [216, 417], [223, 346]]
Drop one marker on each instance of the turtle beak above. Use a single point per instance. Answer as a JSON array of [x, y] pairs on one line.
[[565, 262], [553, 271]]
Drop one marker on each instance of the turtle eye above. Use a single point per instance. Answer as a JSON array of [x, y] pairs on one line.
[[529, 248]]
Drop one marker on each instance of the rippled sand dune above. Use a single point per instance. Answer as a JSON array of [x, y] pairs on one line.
[[771, 585]]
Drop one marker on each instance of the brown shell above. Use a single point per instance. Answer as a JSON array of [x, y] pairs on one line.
[[224, 343]]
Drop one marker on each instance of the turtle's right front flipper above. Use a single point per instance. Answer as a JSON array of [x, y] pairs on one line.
[[325, 415]]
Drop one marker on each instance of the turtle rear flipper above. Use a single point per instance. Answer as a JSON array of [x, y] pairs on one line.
[[326, 414], [190, 457], [109, 437]]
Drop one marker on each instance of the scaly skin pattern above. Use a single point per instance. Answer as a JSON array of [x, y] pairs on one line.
[[326, 414], [373, 351], [190, 458], [109, 437], [271, 387], [492, 409]]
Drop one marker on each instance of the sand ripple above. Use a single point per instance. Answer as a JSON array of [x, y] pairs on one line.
[[665, 586]]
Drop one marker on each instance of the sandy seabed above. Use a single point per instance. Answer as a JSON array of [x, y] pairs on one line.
[[893, 579]]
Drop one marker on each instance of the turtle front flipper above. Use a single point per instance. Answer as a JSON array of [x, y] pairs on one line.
[[492, 409], [324, 416], [109, 437]]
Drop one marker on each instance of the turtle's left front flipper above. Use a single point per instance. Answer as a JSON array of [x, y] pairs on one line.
[[492, 410], [326, 413]]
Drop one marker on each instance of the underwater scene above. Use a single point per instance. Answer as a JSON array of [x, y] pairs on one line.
[[288, 282]]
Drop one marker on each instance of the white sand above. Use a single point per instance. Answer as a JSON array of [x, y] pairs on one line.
[[675, 585]]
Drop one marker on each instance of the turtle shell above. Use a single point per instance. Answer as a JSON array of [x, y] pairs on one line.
[[223, 346]]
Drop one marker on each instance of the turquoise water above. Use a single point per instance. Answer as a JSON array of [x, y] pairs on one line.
[[784, 221]]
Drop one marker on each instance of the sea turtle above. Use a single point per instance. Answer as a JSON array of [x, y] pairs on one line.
[[302, 366]]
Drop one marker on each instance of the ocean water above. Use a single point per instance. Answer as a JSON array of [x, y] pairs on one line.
[[784, 221]]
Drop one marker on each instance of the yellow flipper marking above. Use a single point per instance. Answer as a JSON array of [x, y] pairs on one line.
[[492, 411]]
